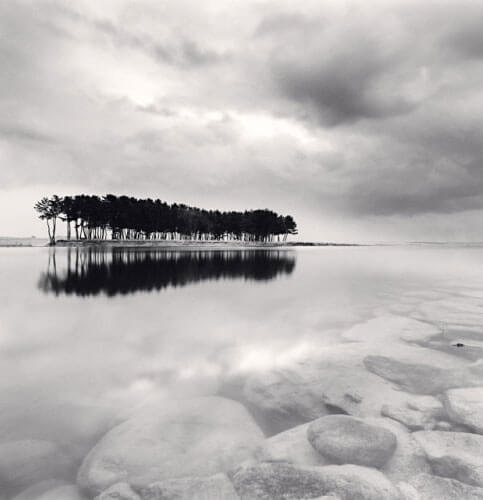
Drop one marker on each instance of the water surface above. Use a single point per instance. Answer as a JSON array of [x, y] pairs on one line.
[[88, 334]]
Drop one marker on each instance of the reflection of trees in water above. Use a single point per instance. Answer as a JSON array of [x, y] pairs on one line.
[[91, 271]]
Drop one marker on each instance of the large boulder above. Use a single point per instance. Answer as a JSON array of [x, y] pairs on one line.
[[118, 491], [290, 446], [349, 440], [281, 481], [216, 487], [438, 488], [465, 406], [457, 455], [28, 461], [421, 378], [196, 437]]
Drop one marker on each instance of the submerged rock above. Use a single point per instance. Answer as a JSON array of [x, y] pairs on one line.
[[196, 437], [416, 413], [457, 455], [216, 487], [420, 378], [349, 440], [278, 481], [25, 462], [465, 406], [290, 446], [283, 398], [412, 419], [119, 491], [439, 488]]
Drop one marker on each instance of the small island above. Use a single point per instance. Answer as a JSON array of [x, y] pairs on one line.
[[124, 218]]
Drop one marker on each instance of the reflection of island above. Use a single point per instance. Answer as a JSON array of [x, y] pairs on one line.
[[92, 271]]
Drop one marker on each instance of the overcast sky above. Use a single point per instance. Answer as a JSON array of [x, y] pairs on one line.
[[362, 119]]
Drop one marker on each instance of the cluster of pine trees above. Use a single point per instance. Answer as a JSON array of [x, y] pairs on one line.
[[127, 218]]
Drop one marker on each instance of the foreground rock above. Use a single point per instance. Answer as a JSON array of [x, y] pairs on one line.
[[25, 462], [217, 487], [119, 491], [278, 481], [196, 437], [439, 488], [290, 446], [457, 455], [349, 440], [421, 378], [465, 406]]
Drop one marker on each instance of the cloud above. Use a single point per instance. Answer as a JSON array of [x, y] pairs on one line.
[[344, 111]]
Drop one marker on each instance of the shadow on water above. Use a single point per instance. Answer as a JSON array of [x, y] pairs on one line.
[[91, 271]]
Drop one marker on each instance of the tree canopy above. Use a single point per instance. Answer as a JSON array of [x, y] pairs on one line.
[[126, 218]]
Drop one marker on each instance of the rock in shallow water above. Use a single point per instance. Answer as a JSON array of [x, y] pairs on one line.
[[465, 406], [118, 491], [419, 378], [216, 487], [438, 488], [196, 437], [290, 446], [349, 440], [412, 419], [283, 399], [457, 455], [278, 481]]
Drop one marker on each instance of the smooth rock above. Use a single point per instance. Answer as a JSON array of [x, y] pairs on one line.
[[69, 492], [25, 462], [412, 419], [420, 378], [408, 459], [337, 377], [216, 487], [439, 488], [465, 406], [119, 491], [290, 446], [344, 439], [283, 398], [279, 481], [195, 437], [458, 455], [407, 491]]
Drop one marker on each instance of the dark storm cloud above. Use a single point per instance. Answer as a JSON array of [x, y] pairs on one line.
[[342, 89]]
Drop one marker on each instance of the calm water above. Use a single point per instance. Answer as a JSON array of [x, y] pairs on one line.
[[87, 335]]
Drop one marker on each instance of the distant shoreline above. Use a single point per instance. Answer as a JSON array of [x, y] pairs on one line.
[[195, 243]]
